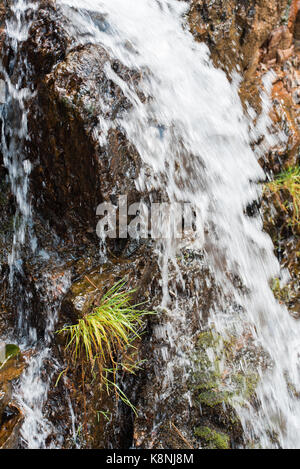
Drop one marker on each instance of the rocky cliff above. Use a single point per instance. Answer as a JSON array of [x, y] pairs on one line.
[[72, 173]]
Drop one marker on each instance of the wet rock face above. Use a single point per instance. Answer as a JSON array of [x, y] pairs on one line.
[[65, 186], [47, 43], [72, 172], [140, 272], [190, 393], [235, 30], [297, 31]]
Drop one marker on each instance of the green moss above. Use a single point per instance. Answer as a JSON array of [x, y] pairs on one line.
[[220, 385], [282, 294], [208, 339], [213, 439], [206, 386], [245, 384], [286, 191], [11, 351], [209, 375], [212, 398]]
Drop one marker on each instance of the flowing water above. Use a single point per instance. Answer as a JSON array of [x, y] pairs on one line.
[[195, 143], [34, 385], [14, 134]]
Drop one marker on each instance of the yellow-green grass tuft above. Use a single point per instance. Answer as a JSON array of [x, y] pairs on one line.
[[108, 331], [286, 188]]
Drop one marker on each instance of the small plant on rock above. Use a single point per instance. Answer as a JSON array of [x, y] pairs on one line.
[[101, 336], [286, 188]]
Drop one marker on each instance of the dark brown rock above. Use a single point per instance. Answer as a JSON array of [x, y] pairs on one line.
[[297, 30], [9, 430], [72, 172]]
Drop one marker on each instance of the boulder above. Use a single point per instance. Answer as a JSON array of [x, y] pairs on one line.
[[279, 40], [11, 416]]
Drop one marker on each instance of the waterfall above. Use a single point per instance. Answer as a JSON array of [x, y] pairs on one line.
[[14, 133], [194, 139], [33, 388], [195, 143]]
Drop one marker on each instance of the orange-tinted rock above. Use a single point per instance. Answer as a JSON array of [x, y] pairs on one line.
[[234, 30], [280, 40], [237, 33], [284, 54], [10, 415], [10, 427], [294, 10], [2, 16]]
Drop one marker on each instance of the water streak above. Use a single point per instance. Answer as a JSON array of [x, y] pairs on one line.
[[34, 384]]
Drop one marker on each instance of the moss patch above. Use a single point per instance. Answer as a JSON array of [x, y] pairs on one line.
[[220, 384], [217, 375], [212, 439], [212, 398]]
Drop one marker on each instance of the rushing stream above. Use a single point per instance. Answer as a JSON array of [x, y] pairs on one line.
[[195, 143]]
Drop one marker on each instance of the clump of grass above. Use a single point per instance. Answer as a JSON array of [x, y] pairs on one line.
[[103, 335], [109, 329], [286, 188]]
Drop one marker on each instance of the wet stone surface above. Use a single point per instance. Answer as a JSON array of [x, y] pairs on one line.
[[72, 173]]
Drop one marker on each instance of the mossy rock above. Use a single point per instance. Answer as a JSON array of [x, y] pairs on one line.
[[214, 354], [289, 293], [219, 385], [246, 384], [212, 439], [212, 398], [208, 339]]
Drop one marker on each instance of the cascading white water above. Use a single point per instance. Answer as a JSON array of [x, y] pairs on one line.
[[195, 138], [34, 385], [15, 135]]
